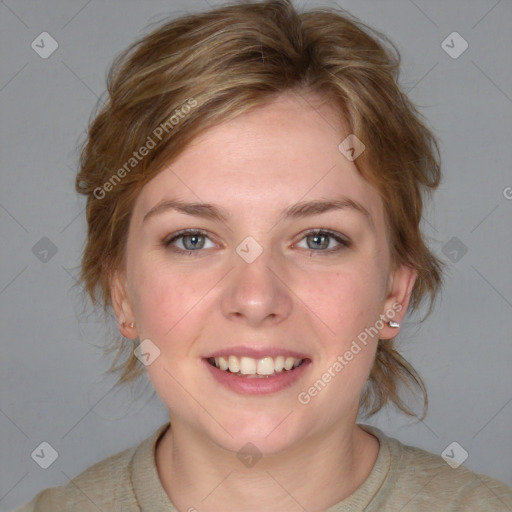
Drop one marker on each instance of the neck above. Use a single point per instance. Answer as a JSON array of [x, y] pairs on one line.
[[196, 473]]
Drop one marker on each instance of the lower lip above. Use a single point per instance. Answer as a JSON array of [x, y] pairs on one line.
[[257, 385]]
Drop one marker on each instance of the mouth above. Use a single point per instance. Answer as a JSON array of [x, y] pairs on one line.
[[262, 371], [256, 368]]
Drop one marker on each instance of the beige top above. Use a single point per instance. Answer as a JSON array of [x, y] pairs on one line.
[[404, 478]]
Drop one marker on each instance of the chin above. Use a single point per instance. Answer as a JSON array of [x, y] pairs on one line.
[[269, 434]]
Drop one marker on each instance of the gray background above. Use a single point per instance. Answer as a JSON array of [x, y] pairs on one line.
[[51, 384]]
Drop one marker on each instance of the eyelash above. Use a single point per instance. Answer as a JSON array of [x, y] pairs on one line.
[[344, 243]]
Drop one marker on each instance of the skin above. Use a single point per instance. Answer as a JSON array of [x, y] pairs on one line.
[[295, 295]]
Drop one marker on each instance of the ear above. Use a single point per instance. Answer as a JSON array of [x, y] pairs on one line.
[[401, 285], [122, 305]]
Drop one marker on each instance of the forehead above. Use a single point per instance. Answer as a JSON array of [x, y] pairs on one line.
[[275, 155]]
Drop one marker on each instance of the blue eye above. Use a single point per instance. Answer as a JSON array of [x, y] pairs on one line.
[[321, 239], [190, 240]]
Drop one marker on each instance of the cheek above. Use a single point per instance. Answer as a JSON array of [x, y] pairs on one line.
[[162, 297], [170, 302], [347, 300]]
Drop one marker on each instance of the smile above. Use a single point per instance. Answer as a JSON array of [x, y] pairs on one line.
[[260, 375], [262, 367]]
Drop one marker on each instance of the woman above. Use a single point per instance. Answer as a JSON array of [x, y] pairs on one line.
[[254, 189]]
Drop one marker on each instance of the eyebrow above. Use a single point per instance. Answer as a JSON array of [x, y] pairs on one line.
[[299, 210]]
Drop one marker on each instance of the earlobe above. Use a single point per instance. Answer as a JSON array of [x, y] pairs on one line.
[[402, 283], [122, 305]]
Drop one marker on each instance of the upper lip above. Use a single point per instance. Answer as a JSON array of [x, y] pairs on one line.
[[256, 353]]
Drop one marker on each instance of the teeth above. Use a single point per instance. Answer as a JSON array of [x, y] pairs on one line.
[[288, 363], [265, 366], [279, 364], [234, 365], [249, 366]]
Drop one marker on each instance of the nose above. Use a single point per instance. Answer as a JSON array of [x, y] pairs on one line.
[[257, 293]]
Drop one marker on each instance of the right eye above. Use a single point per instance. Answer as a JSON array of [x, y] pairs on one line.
[[191, 240]]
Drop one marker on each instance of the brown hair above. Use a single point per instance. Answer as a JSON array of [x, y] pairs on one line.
[[199, 70]]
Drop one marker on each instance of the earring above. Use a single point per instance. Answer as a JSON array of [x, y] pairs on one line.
[[393, 324], [132, 325]]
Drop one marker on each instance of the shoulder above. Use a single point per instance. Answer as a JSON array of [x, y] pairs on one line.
[[419, 481], [106, 485], [98, 487], [434, 481]]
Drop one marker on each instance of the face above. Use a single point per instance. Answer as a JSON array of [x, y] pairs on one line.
[[285, 257]]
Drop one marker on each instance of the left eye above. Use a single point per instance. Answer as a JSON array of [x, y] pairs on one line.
[[322, 240]]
